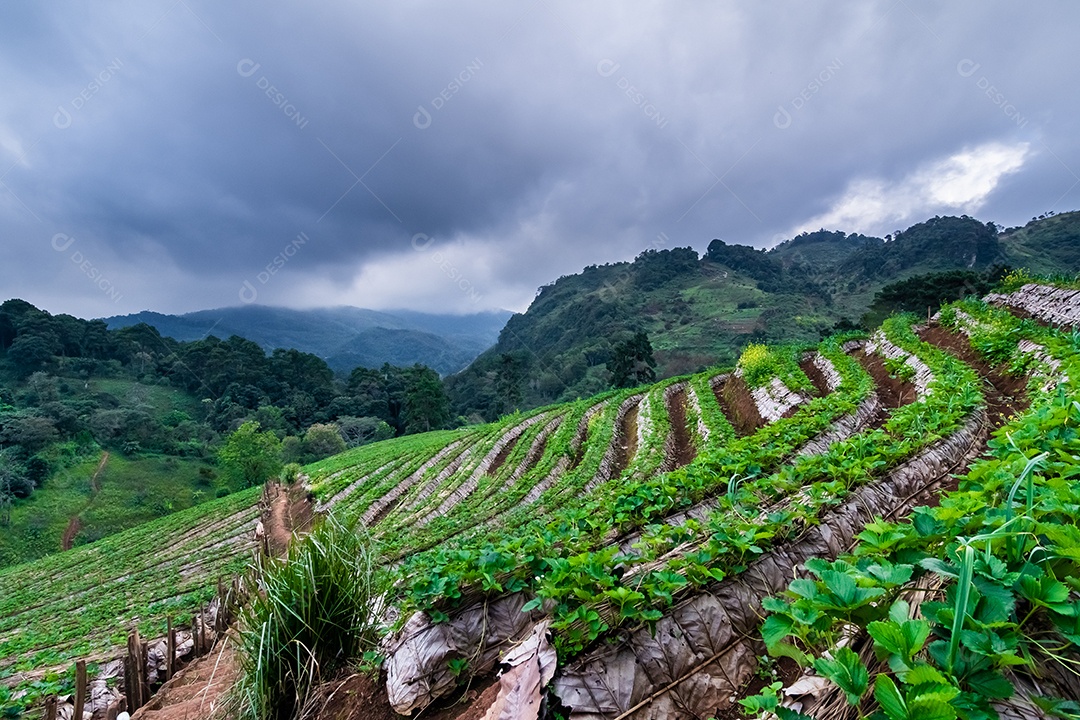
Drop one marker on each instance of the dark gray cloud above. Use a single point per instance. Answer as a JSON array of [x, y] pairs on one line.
[[182, 154]]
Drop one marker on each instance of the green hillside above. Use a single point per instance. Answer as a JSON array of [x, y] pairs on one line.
[[943, 453], [700, 311]]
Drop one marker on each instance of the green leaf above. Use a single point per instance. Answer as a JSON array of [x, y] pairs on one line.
[[990, 684], [930, 707], [533, 604], [923, 675], [889, 698], [775, 629], [847, 671]]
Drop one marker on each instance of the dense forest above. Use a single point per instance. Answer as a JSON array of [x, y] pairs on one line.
[[53, 410]]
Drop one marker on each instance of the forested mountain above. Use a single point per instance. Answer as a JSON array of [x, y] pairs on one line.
[[698, 311], [346, 337], [103, 429]]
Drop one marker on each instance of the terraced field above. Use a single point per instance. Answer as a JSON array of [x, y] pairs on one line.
[[652, 529]]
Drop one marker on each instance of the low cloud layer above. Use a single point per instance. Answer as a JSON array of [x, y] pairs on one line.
[[182, 155]]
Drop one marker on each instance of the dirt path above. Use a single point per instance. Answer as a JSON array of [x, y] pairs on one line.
[[95, 486], [500, 459], [286, 510], [683, 451], [74, 524], [817, 378], [892, 391], [196, 691]]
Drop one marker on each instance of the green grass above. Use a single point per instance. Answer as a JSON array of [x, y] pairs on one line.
[[133, 491]]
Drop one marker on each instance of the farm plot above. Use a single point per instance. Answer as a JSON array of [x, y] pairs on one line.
[[968, 608], [591, 587], [79, 604]]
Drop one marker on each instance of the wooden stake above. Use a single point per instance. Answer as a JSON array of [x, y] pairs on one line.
[[80, 689], [144, 678], [132, 674], [170, 649], [50, 709]]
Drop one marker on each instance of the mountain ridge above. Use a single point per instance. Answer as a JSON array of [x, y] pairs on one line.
[[701, 310], [344, 336]]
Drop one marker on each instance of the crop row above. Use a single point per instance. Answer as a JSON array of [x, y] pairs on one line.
[[631, 586], [82, 601], [522, 556], [1004, 546]]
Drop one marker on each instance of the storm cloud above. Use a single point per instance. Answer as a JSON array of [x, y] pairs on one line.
[[183, 154]]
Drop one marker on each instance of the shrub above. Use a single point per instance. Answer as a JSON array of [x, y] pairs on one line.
[[316, 609], [758, 364]]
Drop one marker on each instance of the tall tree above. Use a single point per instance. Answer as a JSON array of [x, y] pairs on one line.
[[250, 457], [426, 405], [632, 362]]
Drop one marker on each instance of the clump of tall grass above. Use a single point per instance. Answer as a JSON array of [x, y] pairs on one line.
[[314, 610]]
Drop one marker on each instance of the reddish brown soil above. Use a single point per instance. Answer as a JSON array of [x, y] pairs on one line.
[[892, 392], [625, 441], [70, 532], [355, 697], [361, 697], [286, 510], [1005, 395], [738, 406], [500, 459], [817, 377], [196, 691], [683, 451], [788, 671], [74, 524], [472, 704]]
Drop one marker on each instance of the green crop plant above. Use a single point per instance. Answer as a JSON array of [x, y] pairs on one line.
[[1004, 543]]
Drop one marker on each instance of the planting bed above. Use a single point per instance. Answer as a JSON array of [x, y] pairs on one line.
[[651, 529]]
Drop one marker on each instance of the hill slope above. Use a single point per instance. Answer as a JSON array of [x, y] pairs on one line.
[[701, 311], [613, 521], [343, 336]]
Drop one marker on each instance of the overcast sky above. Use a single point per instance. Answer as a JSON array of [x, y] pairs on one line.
[[177, 155]]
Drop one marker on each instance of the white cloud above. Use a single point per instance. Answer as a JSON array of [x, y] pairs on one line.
[[961, 182]]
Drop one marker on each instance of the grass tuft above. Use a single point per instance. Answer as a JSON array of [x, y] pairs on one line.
[[314, 611]]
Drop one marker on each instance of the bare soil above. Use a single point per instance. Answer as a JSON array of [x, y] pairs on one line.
[[626, 441], [500, 459], [196, 691], [1006, 395], [788, 671], [738, 406], [812, 371], [361, 697], [354, 697], [287, 509], [683, 451]]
